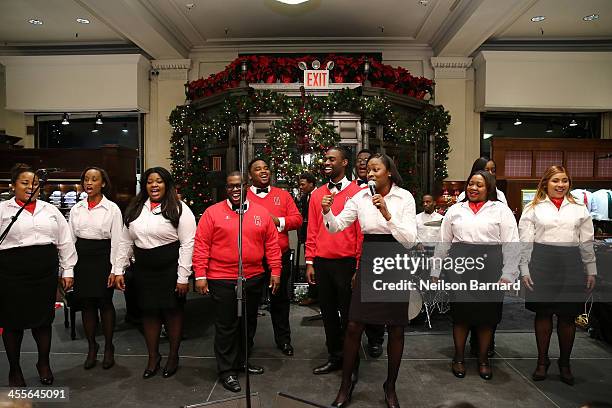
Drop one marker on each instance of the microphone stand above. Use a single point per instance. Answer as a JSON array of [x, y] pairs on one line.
[[42, 178], [240, 283]]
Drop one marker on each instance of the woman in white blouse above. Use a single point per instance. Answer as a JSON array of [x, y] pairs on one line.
[[29, 271], [483, 230], [388, 216], [96, 226], [160, 230], [557, 264]]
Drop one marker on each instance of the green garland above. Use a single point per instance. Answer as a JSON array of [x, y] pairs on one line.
[[302, 130]]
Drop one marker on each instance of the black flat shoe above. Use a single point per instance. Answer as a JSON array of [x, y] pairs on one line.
[[286, 349], [90, 362], [565, 373], [255, 370], [540, 372], [390, 404], [484, 370], [347, 401], [231, 383], [458, 368], [109, 358], [45, 380], [150, 373], [328, 367]]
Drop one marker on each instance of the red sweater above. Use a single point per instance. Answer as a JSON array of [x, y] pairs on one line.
[[279, 203], [215, 252], [319, 241]]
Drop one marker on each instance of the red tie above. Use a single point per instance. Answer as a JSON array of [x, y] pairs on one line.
[[586, 202]]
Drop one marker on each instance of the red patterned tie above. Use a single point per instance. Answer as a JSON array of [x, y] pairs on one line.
[[586, 202]]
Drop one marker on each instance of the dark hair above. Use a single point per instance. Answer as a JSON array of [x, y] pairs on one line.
[[256, 159], [342, 151], [489, 184], [479, 164], [233, 174], [171, 207], [308, 177], [390, 165], [368, 151], [18, 169], [107, 187]]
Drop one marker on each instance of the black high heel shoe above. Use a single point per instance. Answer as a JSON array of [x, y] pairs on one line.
[[459, 370], [91, 362], [537, 374], [484, 370], [109, 357], [345, 403], [564, 372], [150, 373], [48, 380], [169, 372], [389, 405]]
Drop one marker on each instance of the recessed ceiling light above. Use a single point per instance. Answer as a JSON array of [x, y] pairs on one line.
[[573, 123], [518, 121], [292, 1], [591, 17], [82, 20], [538, 18], [35, 21]]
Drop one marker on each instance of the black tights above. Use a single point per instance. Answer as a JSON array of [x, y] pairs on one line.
[[90, 323], [460, 333], [566, 332], [151, 323], [12, 339], [352, 343]]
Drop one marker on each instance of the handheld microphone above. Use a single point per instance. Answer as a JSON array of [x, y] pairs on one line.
[[372, 187], [49, 170]]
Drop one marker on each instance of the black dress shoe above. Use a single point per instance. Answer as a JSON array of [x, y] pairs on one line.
[[231, 383], [374, 350], [328, 367], [150, 373], [45, 380], [255, 370], [287, 349]]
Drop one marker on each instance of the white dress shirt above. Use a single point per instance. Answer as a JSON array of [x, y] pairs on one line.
[[345, 183], [570, 225], [585, 195], [46, 226], [493, 224], [600, 201], [426, 233], [281, 220], [500, 196], [151, 230], [103, 221], [400, 204]]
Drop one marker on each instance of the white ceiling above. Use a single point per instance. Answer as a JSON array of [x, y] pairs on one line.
[[170, 29]]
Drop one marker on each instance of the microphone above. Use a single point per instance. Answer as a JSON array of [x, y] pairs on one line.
[[48, 170], [372, 187]]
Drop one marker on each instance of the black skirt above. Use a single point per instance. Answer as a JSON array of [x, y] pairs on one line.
[[155, 276], [475, 307], [387, 313], [92, 269], [558, 279], [29, 277]]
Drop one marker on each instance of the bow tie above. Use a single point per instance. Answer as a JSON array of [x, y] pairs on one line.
[[331, 185], [262, 190], [236, 207], [360, 182]]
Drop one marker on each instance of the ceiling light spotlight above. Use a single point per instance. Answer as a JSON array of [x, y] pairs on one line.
[[125, 129], [95, 130], [591, 17], [549, 127], [35, 21], [82, 20], [517, 121], [537, 19], [486, 136], [573, 123], [292, 2], [99, 119], [65, 119]]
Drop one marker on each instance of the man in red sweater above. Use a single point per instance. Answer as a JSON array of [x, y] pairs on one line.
[[215, 263], [374, 332], [286, 217], [331, 259]]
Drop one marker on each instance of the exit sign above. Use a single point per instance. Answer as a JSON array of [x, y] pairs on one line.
[[316, 78]]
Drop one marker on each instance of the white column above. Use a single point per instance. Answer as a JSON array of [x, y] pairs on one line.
[[167, 91], [454, 78]]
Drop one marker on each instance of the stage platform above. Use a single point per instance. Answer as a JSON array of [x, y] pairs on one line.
[[425, 379]]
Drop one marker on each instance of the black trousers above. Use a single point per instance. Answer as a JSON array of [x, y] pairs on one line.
[[333, 277], [229, 330], [280, 303]]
